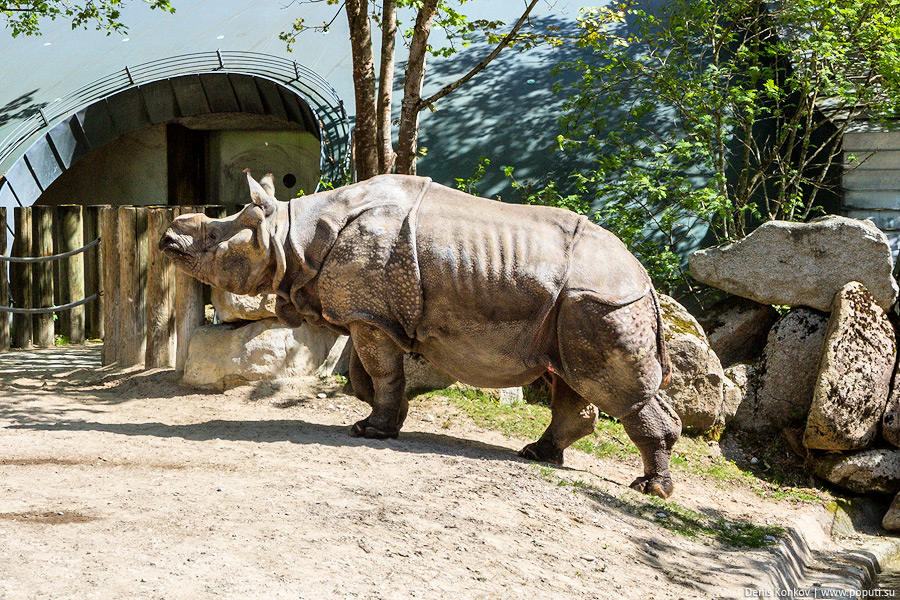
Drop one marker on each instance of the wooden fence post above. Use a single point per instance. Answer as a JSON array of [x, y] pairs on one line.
[[189, 309], [109, 243], [4, 285], [43, 276], [132, 341], [20, 274], [93, 275], [71, 225], [160, 293]]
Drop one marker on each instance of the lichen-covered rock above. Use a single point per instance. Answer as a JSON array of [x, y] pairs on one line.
[[421, 375], [737, 328], [233, 307], [338, 360], [890, 422], [697, 388], [891, 520], [741, 383], [801, 264], [225, 356], [786, 375], [873, 471], [855, 371]]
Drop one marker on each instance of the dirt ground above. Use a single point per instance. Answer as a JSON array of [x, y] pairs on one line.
[[130, 486]]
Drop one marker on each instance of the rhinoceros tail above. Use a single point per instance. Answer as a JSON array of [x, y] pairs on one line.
[[661, 342]]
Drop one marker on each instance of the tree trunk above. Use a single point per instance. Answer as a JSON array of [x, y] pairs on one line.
[[412, 91], [365, 138], [386, 154]]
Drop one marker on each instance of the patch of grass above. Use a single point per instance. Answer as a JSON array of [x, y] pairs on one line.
[[61, 340], [340, 379], [691, 455], [530, 420], [674, 517], [694, 456]]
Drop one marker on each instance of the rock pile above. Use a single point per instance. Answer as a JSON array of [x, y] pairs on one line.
[[827, 365]]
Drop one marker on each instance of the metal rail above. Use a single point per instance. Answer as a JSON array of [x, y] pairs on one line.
[[41, 311], [320, 95], [36, 259]]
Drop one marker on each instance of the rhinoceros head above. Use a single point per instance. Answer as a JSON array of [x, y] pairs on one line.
[[243, 253]]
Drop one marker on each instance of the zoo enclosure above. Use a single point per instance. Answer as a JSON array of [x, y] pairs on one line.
[[98, 268]]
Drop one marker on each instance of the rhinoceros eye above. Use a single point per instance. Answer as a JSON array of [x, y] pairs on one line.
[[213, 236]]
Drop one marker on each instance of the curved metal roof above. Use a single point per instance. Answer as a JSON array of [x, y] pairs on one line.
[[163, 91]]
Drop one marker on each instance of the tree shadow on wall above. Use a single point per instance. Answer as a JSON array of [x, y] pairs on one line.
[[20, 108], [507, 113]]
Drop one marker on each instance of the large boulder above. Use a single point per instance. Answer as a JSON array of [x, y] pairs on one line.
[[741, 385], [874, 471], [801, 264], [225, 356], [697, 387], [233, 307], [786, 375], [891, 520], [737, 328], [422, 375], [890, 422], [855, 371]]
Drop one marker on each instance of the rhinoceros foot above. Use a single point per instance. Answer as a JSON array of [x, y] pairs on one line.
[[365, 429], [543, 451], [659, 486]]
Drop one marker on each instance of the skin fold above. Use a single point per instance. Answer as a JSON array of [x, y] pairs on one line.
[[494, 294]]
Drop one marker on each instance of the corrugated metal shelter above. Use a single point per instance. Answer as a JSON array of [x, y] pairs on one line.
[[871, 178]]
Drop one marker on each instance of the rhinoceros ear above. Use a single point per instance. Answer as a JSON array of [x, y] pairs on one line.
[[268, 184], [260, 196]]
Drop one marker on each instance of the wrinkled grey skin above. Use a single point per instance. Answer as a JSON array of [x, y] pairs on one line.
[[494, 294]]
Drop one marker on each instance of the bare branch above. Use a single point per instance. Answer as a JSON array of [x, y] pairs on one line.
[[506, 41]]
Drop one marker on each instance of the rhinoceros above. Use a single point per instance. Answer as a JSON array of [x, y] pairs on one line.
[[494, 294]]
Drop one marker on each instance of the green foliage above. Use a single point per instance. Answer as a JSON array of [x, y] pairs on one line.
[[707, 116], [24, 17]]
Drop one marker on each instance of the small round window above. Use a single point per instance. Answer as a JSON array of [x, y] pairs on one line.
[[289, 180]]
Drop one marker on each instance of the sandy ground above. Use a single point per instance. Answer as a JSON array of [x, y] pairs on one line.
[[129, 486]]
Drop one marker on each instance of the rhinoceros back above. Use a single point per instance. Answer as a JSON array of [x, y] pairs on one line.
[[492, 274]]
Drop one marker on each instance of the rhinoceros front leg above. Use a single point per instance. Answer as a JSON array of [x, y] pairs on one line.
[[379, 368]]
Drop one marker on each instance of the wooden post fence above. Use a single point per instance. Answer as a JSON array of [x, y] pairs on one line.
[[149, 310], [93, 275], [160, 293], [4, 286], [20, 274], [71, 226], [44, 329], [109, 236]]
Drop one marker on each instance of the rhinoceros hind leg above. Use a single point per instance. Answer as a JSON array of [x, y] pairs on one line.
[[572, 418], [654, 429], [379, 363]]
